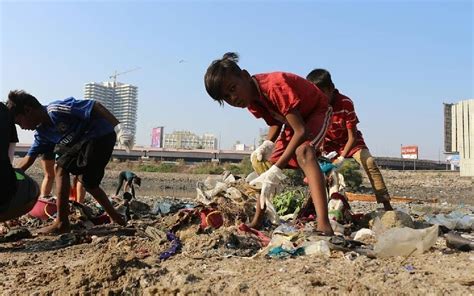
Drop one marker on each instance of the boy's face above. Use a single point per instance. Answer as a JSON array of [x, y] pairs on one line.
[[239, 90], [27, 120]]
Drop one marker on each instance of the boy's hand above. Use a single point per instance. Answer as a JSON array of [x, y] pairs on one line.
[[338, 162], [270, 184], [124, 137], [263, 151]]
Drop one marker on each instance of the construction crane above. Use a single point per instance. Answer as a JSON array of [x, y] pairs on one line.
[[114, 76]]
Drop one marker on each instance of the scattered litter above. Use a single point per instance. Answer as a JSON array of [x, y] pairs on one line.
[[317, 248], [456, 241], [405, 241], [175, 246], [351, 256], [15, 235], [454, 220], [409, 268]]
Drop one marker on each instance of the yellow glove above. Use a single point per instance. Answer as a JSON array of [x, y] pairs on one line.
[[259, 166]]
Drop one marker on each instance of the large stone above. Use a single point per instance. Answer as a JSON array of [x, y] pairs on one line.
[[392, 219]]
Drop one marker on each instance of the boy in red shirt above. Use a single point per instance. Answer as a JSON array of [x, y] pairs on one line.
[[343, 136], [298, 115]]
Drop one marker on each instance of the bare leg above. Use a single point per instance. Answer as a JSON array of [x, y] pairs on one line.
[[48, 170], [81, 193], [306, 157], [63, 187], [104, 201], [259, 214]]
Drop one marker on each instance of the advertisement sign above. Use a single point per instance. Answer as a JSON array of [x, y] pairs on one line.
[[453, 160], [410, 152], [157, 137]]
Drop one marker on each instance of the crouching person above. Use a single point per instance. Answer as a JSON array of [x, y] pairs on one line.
[[82, 134], [19, 192]]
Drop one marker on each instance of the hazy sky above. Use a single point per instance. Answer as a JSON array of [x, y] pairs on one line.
[[398, 60]]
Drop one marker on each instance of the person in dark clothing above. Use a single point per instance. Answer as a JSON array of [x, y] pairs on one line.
[[129, 178], [19, 191]]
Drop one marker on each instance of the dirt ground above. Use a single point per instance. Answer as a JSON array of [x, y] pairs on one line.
[[110, 260]]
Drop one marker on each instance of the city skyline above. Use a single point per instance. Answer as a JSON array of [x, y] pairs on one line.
[[399, 68]]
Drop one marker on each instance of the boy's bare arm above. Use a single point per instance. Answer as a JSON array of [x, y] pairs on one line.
[[100, 111], [351, 132], [297, 124], [273, 132], [26, 162]]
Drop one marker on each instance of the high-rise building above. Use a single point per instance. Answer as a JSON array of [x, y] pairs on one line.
[[118, 98], [459, 133]]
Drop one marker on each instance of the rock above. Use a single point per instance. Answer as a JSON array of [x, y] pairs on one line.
[[391, 219], [139, 207]]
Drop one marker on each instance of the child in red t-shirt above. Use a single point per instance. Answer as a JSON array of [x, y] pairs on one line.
[[343, 136], [298, 115]]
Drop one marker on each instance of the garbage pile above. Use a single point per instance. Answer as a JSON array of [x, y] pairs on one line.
[[215, 224]]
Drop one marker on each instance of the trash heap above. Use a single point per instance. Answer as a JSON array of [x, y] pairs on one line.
[[215, 224]]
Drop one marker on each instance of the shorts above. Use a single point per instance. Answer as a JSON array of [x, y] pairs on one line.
[[27, 192], [90, 160], [316, 126], [48, 156]]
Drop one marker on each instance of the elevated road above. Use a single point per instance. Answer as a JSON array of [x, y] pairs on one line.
[[201, 155]]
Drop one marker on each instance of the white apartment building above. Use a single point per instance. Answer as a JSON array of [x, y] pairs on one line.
[[119, 98], [188, 140], [459, 134]]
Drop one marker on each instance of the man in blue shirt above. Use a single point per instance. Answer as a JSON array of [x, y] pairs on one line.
[[82, 133]]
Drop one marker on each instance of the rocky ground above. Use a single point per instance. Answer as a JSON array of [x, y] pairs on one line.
[[110, 260]]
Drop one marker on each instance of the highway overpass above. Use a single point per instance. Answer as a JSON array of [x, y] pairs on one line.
[[201, 155]]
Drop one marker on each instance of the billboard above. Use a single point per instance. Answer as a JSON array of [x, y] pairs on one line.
[[157, 137], [410, 152]]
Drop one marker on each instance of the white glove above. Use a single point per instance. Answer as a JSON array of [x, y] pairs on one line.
[[338, 162], [124, 137], [264, 151], [270, 184]]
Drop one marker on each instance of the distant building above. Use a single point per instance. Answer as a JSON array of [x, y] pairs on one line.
[[118, 98], [241, 147], [188, 140], [459, 134]]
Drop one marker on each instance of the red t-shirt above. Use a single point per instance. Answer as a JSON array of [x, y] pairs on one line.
[[343, 118], [282, 92]]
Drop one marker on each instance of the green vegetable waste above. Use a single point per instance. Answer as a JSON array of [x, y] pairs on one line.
[[288, 202]]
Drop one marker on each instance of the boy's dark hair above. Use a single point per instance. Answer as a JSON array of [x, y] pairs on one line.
[[217, 72], [127, 196], [320, 77], [18, 99], [137, 180]]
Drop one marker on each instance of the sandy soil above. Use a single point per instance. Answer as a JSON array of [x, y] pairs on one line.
[[108, 260]]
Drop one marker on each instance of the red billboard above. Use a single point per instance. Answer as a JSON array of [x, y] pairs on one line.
[[157, 137], [410, 152]]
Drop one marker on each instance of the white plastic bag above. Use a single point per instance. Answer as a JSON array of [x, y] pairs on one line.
[[405, 241]]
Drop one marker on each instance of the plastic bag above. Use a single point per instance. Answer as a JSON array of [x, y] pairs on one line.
[[405, 241]]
